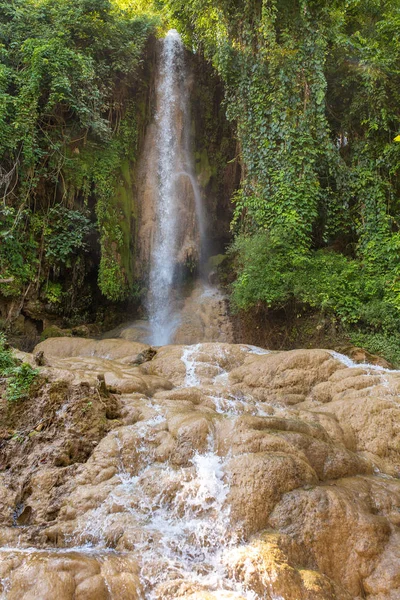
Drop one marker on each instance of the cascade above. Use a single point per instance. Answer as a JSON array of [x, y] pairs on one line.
[[229, 473], [174, 166], [198, 470]]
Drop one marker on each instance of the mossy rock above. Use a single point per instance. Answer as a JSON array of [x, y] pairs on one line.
[[216, 261], [204, 170], [54, 331]]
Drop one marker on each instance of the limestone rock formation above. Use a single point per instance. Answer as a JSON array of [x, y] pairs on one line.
[[202, 472]]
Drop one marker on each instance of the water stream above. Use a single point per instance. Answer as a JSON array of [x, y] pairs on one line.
[[206, 429], [170, 247]]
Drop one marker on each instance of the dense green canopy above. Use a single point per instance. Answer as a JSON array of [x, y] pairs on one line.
[[67, 79], [313, 90]]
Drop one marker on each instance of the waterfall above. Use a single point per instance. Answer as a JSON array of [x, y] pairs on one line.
[[172, 246]]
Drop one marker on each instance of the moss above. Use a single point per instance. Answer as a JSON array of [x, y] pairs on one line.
[[127, 210], [204, 170], [106, 173], [54, 331], [216, 261]]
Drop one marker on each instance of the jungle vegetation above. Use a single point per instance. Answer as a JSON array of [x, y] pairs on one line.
[[18, 377], [69, 79], [312, 88]]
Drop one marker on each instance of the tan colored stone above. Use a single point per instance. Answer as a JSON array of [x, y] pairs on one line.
[[375, 424], [284, 377], [291, 441], [343, 536], [110, 349], [258, 481], [265, 566], [64, 576]]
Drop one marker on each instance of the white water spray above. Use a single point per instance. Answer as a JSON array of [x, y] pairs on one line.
[[174, 167]]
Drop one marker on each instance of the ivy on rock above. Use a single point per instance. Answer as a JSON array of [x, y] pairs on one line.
[[314, 91], [69, 75]]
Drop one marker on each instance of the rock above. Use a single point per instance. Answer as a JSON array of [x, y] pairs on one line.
[[284, 377], [212, 359], [360, 355], [271, 560], [204, 317], [258, 481], [274, 473], [342, 535], [39, 358], [102, 384], [53, 331], [144, 356], [374, 423], [86, 331], [69, 575], [18, 325], [110, 349]]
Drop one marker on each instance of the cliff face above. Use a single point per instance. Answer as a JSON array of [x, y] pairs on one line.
[[121, 199], [216, 152], [209, 139]]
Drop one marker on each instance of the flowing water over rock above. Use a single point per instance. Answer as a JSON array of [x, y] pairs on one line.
[[172, 237], [179, 231], [202, 469], [216, 471], [200, 316]]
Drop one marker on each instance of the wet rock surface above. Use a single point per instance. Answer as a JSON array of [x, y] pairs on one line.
[[201, 314], [209, 471]]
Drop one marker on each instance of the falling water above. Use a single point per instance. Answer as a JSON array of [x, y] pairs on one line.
[[174, 165]]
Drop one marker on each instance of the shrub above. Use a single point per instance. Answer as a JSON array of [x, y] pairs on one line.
[[18, 376], [325, 280]]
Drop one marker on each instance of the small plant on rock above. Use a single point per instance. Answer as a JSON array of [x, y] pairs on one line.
[[18, 376]]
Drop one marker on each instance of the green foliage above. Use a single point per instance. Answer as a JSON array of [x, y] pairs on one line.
[[275, 90], [68, 74], [53, 293], [7, 361], [99, 168], [325, 280], [19, 377], [274, 274], [113, 279], [314, 91], [386, 345], [18, 249], [20, 381], [64, 234]]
